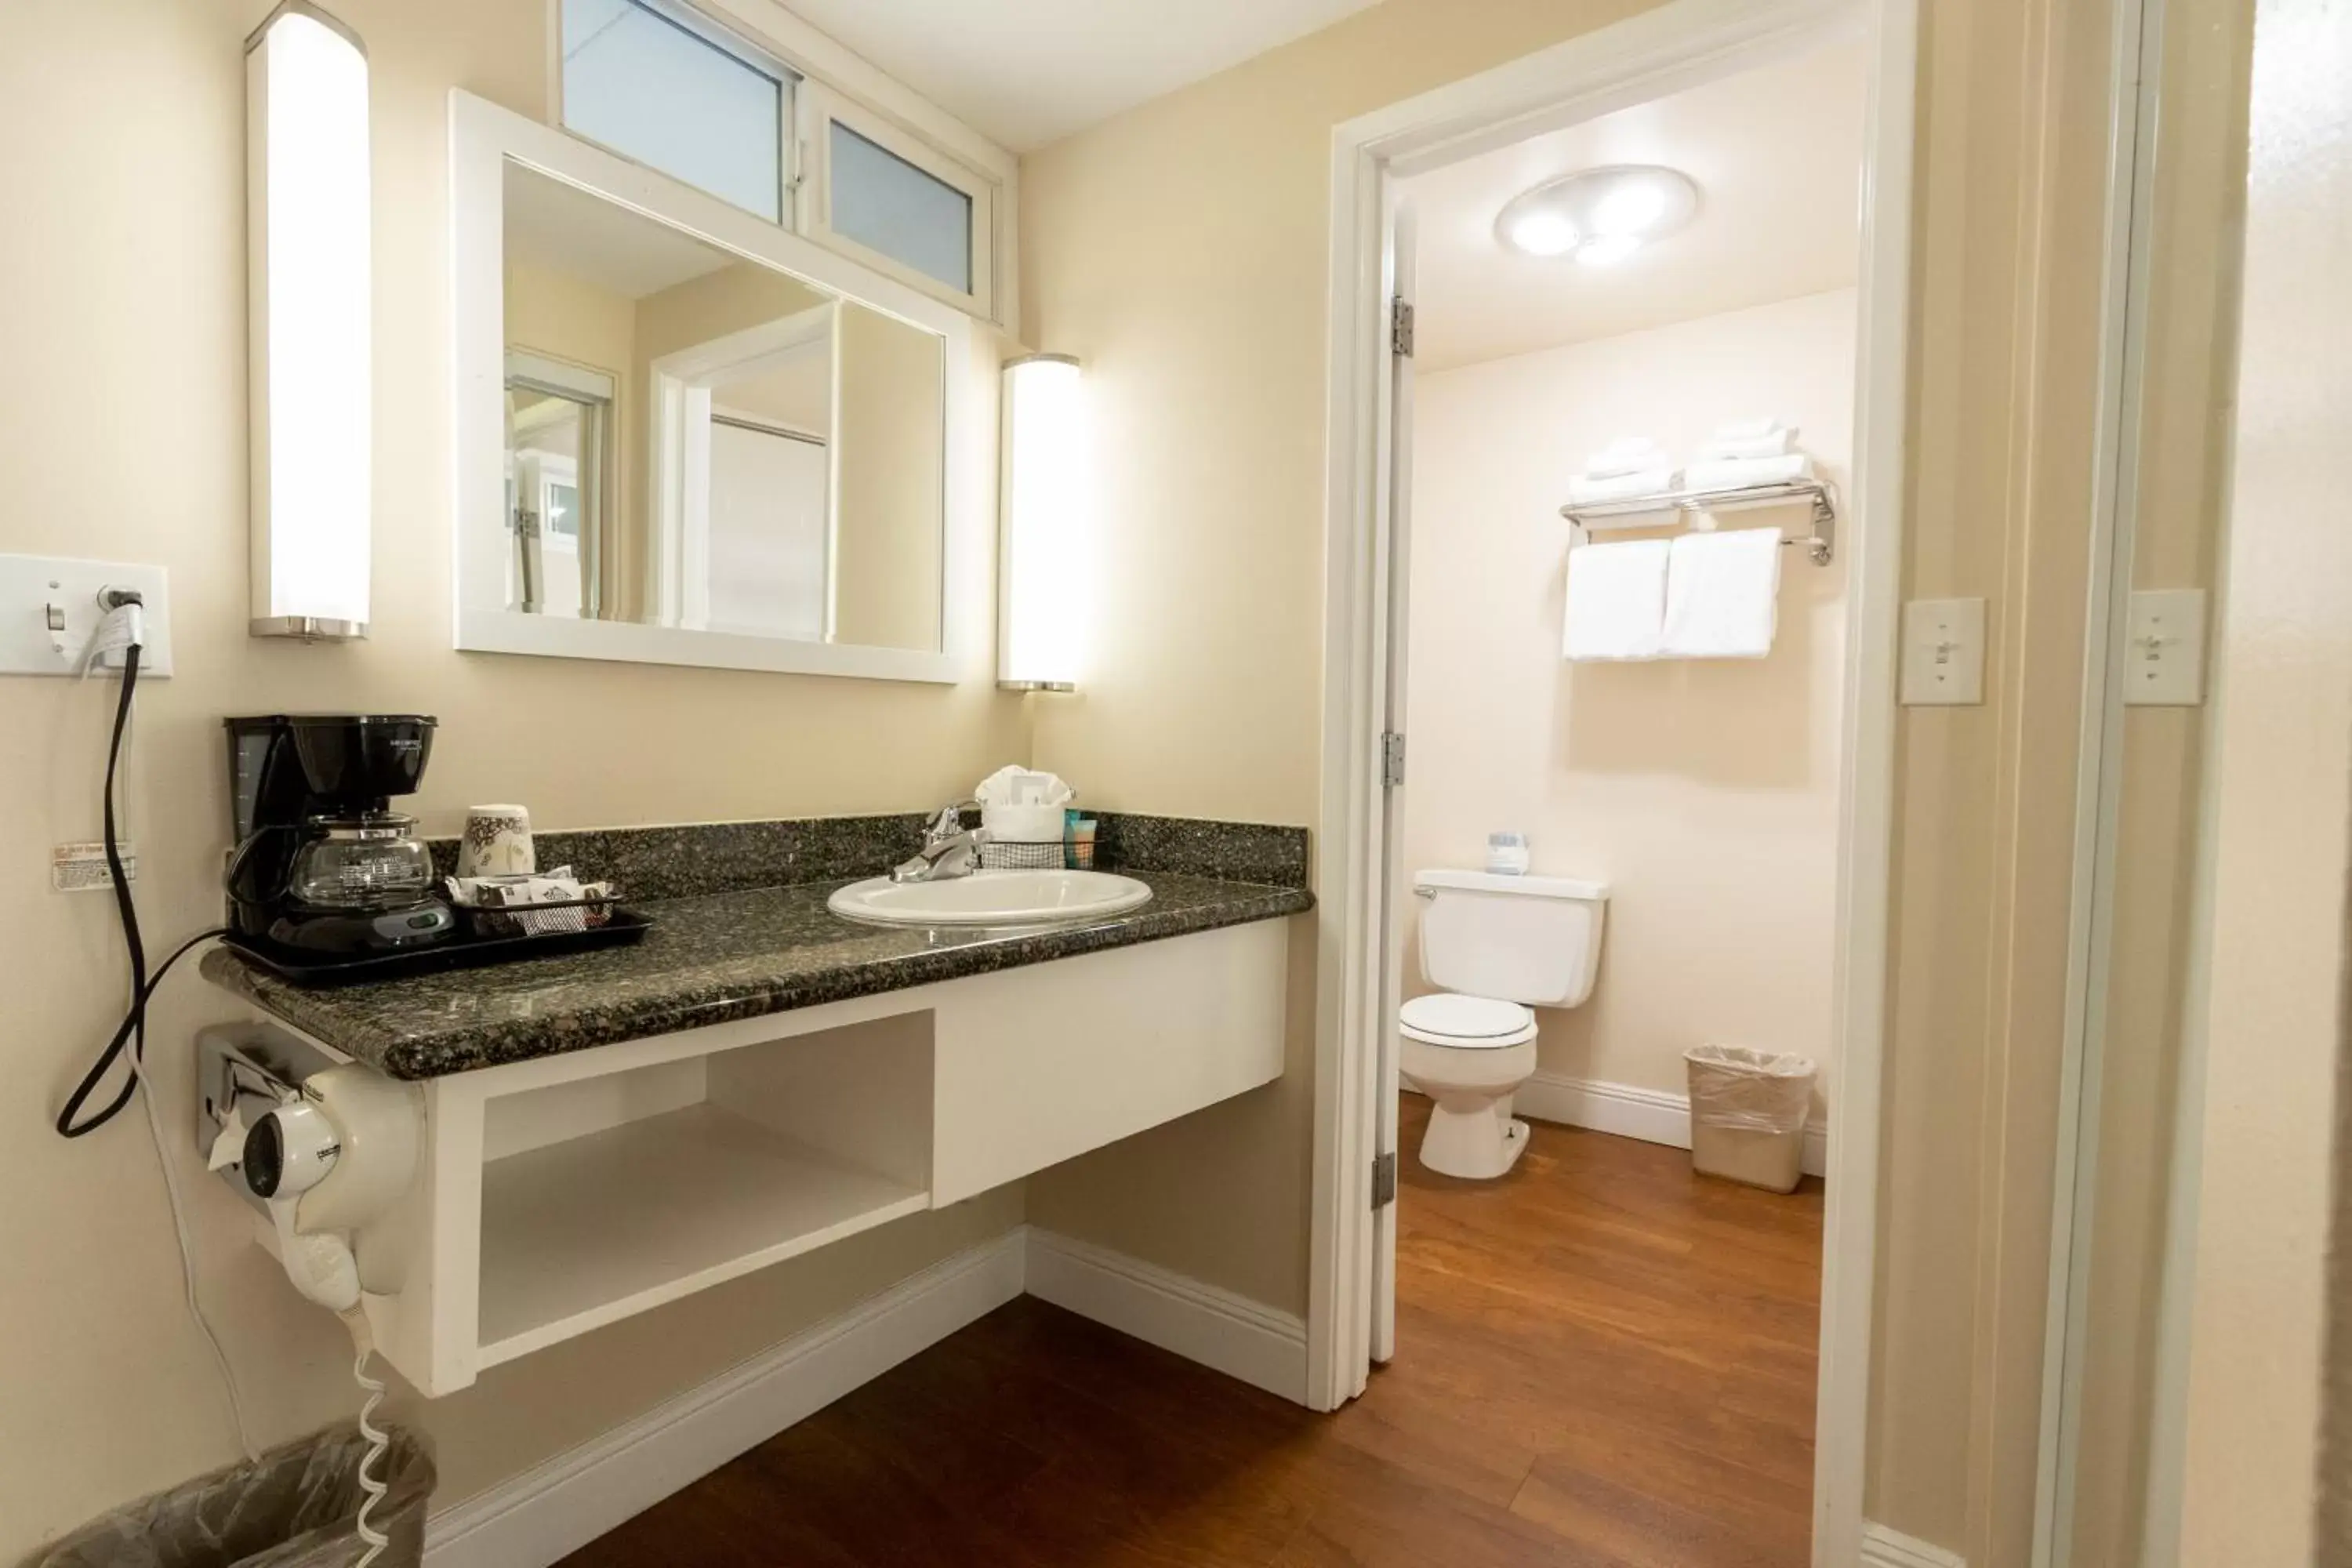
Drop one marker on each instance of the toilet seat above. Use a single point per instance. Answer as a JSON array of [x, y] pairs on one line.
[[1466, 1023]]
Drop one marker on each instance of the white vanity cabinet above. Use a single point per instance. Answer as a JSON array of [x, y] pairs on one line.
[[563, 1193]]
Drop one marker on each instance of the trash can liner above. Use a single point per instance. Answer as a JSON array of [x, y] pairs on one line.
[[294, 1506], [1751, 1092]]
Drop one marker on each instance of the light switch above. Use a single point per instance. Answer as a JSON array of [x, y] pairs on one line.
[[2164, 648], [48, 609], [1943, 652]]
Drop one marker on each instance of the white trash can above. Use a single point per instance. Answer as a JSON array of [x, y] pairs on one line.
[[1747, 1114]]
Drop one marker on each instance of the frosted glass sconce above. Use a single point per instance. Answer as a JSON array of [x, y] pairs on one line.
[[1041, 583], [307, 218]]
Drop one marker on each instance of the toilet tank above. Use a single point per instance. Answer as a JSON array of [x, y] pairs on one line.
[[1532, 939]]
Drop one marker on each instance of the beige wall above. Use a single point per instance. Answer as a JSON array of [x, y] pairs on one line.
[[1181, 251], [1705, 793], [129, 285], [886, 573], [2276, 994]]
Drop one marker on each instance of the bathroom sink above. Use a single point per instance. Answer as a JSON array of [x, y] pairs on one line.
[[991, 898]]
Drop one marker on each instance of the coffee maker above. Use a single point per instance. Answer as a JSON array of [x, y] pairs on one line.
[[322, 865]]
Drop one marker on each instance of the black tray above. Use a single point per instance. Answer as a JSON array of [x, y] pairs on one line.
[[623, 928]]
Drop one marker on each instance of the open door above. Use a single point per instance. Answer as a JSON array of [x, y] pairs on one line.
[[1394, 572]]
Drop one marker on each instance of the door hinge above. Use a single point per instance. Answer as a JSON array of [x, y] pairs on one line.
[[1400, 326], [1384, 1180], [1391, 759]]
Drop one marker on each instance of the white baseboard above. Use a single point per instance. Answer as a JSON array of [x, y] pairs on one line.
[[1238, 1337], [542, 1515], [1884, 1547], [1652, 1115]]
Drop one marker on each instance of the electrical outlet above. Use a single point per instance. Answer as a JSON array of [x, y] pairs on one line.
[[81, 868], [48, 609], [1943, 652]]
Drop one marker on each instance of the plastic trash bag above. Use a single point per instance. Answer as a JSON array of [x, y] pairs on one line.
[[294, 1506], [1749, 1110], [1755, 1091]]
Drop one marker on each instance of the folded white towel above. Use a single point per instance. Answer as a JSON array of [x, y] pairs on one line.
[[1723, 593], [1626, 455], [1730, 473], [1013, 784], [1766, 445], [1616, 600], [1617, 487]]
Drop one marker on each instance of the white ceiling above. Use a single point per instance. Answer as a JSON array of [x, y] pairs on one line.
[[1777, 153], [1027, 72], [562, 228]]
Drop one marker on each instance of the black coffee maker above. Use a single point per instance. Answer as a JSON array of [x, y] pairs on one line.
[[321, 863]]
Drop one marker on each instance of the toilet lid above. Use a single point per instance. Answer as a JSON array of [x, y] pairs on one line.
[[1466, 1019]]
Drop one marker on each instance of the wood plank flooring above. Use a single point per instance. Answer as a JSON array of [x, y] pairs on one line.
[[1602, 1360]]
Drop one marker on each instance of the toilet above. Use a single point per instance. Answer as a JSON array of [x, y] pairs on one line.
[[1499, 945]]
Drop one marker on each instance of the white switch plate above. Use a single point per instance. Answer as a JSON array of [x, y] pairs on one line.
[[1943, 652], [31, 585], [2164, 650]]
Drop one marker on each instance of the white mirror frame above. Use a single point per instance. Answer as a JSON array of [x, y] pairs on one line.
[[483, 139]]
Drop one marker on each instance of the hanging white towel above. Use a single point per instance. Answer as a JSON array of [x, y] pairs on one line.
[[1730, 473], [1616, 600], [1723, 593], [1583, 489]]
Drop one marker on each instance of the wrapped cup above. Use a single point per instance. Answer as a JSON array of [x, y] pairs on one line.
[[496, 843]]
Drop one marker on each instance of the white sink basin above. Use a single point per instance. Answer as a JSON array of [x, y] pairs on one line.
[[991, 898]]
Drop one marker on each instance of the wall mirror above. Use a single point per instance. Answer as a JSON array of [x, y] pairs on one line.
[[687, 436]]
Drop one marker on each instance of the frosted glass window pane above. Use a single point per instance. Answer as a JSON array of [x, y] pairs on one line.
[[886, 203], [644, 86]]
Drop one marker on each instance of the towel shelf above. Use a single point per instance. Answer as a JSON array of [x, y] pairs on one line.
[[1641, 511]]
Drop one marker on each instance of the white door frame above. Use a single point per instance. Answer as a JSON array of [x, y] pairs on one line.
[[1660, 51], [680, 447]]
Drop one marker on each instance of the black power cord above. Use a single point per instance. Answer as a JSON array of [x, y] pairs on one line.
[[132, 1034]]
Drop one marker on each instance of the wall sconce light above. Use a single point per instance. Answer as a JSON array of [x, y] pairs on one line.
[[307, 218], [1041, 588]]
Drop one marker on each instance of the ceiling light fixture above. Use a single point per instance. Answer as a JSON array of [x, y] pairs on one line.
[[1600, 216], [1607, 249], [1542, 233]]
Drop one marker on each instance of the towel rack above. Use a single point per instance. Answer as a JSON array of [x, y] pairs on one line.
[[1641, 510]]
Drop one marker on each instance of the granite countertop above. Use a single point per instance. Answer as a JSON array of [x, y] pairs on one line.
[[709, 959]]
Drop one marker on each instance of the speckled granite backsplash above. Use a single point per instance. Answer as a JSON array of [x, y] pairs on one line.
[[696, 858]]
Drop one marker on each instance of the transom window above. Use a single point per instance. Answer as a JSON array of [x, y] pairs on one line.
[[658, 81]]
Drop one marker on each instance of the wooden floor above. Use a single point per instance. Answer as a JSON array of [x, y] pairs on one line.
[[1602, 1360]]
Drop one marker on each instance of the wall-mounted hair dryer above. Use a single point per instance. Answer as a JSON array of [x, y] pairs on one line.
[[325, 1149]]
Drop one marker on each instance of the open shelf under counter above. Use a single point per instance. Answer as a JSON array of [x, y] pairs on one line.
[[582, 1232], [566, 1191]]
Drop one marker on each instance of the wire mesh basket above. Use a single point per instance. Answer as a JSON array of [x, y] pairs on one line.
[[1046, 857]]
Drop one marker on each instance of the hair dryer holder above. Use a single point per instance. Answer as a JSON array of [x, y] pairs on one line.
[[350, 1151]]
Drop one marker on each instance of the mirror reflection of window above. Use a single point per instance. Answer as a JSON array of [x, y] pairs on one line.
[[556, 446], [772, 457]]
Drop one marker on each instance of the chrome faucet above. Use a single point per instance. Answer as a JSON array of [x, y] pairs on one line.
[[950, 848]]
